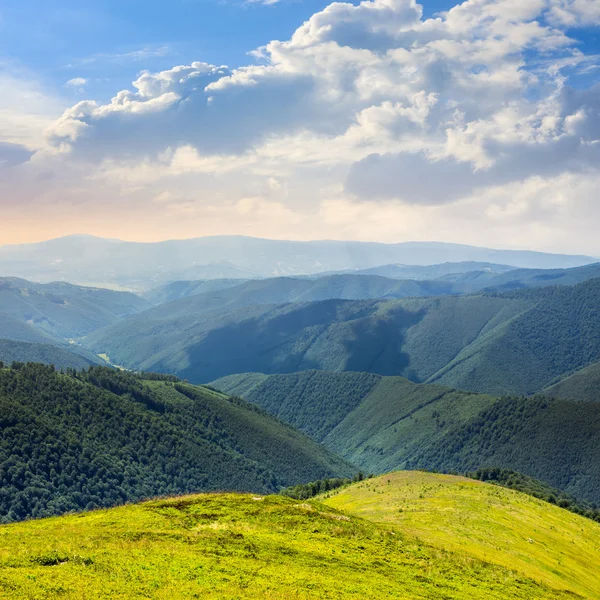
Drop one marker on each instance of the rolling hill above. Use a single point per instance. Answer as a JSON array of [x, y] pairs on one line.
[[103, 437], [584, 384], [387, 423], [244, 546], [500, 343], [60, 310], [61, 358], [502, 527], [87, 260]]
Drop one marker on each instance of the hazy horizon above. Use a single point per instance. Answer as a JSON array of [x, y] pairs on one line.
[[316, 240]]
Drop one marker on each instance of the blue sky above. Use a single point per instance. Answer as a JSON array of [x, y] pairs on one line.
[[387, 120], [109, 41]]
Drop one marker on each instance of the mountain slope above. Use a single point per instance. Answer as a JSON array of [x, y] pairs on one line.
[[413, 337], [387, 423], [525, 278], [500, 526], [61, 358], [96, 261], [104, 437], [582, 385], [175, 290], [62, 310], [558, 334], [430, 272], [364, 285], [283, 290], [376, 422], [238, 546], [551, 439], [518, 342]]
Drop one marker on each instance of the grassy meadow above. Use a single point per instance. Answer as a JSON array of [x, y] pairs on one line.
[[244, 546], [490, 523]]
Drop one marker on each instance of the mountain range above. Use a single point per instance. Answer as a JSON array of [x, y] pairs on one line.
[[475, 342], [88, 260]]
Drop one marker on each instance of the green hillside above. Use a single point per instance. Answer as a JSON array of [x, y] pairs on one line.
[[61, 310], [502, 527], [558, 334], [582, 385], [243, 546], [413, 337], [554, 440], [11, 350], [176, 290], [104, 437], [513, 343], [386, 423]]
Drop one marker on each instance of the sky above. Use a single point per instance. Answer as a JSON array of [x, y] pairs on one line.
[[386, 120]]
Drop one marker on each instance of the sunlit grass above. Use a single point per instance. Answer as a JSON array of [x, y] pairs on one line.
[[238, 546], [494, 524]]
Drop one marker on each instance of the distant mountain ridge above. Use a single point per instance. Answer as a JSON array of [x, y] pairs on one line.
[[361, 286], [518, 342], [141, 266]]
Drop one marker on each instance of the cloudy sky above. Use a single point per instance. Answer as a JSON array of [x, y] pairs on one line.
[[386, 120]]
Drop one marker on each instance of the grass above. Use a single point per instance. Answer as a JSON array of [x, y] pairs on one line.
[[239, 546], [496, 525]]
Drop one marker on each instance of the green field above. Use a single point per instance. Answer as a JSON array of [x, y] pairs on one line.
[[243, 546], [499, 526]]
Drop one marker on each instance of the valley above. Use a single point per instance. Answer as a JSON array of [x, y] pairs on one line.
[[236, 389]]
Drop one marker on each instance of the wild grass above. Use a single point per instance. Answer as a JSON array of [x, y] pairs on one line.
[[540, 541], [236, 547]]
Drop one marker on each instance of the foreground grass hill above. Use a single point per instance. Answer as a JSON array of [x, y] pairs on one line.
[[234, 546], [500, 526], [512, 343], [101, 437], [386, 423]]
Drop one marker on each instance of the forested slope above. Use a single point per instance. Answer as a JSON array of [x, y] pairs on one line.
[[62, 310], [386, 423], [584, 384], [103, 437], [61, 358], [511, 343]]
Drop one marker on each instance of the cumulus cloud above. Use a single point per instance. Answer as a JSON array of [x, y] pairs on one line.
[[364, 105], [76, 82]]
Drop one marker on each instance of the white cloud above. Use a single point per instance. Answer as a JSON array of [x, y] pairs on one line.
[[77, 82], [576, 13], [366, 105]]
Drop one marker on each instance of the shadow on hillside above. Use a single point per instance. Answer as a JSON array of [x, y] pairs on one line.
[[377, 342], [276, 342], [327, 335]]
